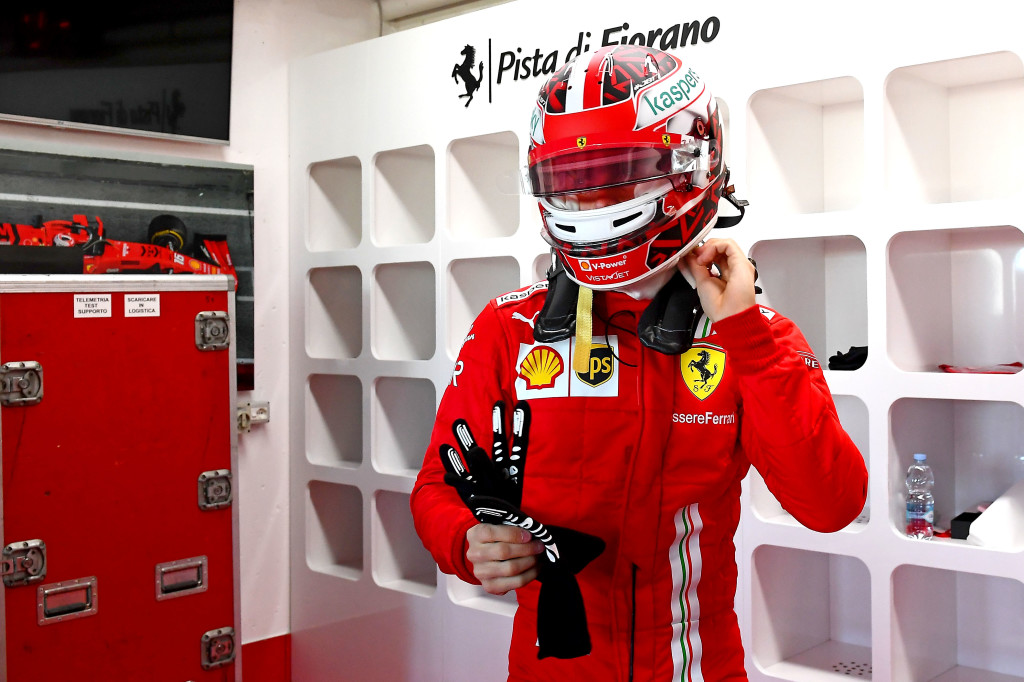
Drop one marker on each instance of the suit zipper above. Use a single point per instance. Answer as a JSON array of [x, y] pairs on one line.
[[632, 626]]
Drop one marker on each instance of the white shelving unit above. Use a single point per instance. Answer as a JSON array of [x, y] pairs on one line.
[[884, 162]]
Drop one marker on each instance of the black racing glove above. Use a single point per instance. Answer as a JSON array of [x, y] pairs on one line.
[[492, 489]]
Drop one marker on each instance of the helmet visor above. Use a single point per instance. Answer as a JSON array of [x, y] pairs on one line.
[[598, 167], [608, 166]]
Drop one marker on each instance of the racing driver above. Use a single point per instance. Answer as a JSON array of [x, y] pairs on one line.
[[589, 449]]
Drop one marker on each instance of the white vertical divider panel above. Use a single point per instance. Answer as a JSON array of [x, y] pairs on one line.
[[881, 147]]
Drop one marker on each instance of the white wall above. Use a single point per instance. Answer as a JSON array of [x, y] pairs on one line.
[[268, 34], [867, 230]]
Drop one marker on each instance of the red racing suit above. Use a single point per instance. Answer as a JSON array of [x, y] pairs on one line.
[[645, 451]]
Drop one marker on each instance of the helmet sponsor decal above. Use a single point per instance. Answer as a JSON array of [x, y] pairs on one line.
[[537, 126], [702, 368], [542, 371], [541, 367], [604, 265], [664, 100], [609, 271]]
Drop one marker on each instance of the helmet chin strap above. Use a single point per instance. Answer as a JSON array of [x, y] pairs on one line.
[[729, 194]]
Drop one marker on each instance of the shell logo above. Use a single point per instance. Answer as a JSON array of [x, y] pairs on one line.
[[541, 367]]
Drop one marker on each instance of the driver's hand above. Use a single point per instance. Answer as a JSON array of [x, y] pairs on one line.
[[731, 290], [504, 557]]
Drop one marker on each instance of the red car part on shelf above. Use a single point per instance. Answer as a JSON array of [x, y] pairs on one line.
[[103, 255]]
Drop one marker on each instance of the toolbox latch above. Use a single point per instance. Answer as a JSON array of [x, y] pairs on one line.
[[218, 648], [250, 413], [215, 489], [23, 563], [213, 331], [21, 383]]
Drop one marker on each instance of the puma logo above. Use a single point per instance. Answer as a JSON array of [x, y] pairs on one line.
[[529, 321]]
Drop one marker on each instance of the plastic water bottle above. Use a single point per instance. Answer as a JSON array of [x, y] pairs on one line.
[[920, 501]]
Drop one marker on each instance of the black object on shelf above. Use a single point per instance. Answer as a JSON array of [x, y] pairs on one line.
[[961, 526], [851, 359]]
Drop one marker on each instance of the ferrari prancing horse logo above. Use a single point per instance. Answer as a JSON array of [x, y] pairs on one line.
[[581, 142], [702, 368]]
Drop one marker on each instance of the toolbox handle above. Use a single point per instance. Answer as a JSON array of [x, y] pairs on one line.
[[181, 578], [67, 600]]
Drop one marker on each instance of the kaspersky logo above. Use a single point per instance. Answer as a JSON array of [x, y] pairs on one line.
[[659, 101]]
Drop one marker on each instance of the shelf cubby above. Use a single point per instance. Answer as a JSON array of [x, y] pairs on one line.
[[334, 420], [973, 447], [954, 297], [819, 624], [821, 284], [334, 312], [399, 560], [403, 315], [335, 204], [472, 282], [474, 596], [483, 186], [334, 529], [402, 421], [932, 114], [806, 147], [951, 626], [540, 267], [723, 117], [403, 197]]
